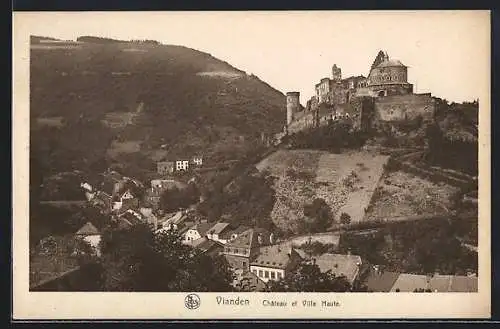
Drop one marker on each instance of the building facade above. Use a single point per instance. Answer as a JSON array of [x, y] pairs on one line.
[[274, 262]]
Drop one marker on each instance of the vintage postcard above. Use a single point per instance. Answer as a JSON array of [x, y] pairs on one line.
[[251, 165]]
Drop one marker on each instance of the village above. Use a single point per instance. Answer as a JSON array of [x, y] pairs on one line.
[[256, 255]]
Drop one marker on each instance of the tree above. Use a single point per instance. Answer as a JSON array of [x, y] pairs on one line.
[[137, 259], [175, 198], [309, 278], [319, 216], [345, 218]]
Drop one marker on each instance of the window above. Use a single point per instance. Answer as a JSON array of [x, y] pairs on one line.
[[279, 275], [266, 274], [254, 271], [260, 274], [244, 264], [273, 275]]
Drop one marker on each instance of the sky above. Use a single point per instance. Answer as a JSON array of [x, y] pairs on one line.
[[447, 52]]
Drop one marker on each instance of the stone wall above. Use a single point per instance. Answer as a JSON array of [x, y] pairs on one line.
[[404, 107], [391, 74], [238, 262], [306, 120]]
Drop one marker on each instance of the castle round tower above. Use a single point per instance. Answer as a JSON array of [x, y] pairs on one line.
[[292, 105]]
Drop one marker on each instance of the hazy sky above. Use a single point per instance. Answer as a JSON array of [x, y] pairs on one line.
[[447, 52]]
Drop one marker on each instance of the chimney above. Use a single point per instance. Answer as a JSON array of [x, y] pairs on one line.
[[271, 238]]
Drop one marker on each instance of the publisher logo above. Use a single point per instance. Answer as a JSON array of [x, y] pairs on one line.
[[192, 301]]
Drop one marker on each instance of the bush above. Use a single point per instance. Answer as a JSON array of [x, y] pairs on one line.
[[345, 218]]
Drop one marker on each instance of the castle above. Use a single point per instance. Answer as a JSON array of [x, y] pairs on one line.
[[384, 97]]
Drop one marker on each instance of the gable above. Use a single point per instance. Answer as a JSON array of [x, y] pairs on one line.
[[127, 195]]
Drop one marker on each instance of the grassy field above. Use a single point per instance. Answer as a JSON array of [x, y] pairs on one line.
[[345, 181]]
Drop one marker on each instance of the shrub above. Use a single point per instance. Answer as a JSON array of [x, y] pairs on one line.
[[345, 218]]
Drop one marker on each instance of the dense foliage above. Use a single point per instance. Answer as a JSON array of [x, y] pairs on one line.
[[422, 247], [333, 137], [318, 217], [175, 198], [139, 260], [249, 200], [458, 154], [78, 91], [317, 248]]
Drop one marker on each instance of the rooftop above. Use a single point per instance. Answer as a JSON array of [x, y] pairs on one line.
[[88, 229], [251, 282], [340, 265], [272, 256], [250, 238], [218, 228], [205, 244], [381, 281], [202, 228], [437, 283], [391, 63], [227, 234]]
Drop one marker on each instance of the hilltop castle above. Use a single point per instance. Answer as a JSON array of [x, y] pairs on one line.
[[385, 96]]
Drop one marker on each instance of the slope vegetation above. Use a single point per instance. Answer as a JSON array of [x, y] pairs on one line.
[[96, 101]]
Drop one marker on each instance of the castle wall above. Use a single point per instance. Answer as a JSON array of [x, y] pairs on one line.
[[404, 107], [387, 75], [391, 89], [305, 121]]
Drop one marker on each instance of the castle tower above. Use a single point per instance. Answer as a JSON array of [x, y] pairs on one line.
[[336, 73], [292, 105]]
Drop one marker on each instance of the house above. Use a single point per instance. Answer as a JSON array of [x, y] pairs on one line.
[[165, 167], [339, 265], [434, 283], [274, 262], [89, 192], [152, 198], [173, 222], [167, 184], [248, 281], [230, 235], [125, 199], [207, 246], [149, 216], [245, 247], [217, 230], [102, 201], [91, 235], [110, 182], [129, 218], [197, 160], [181, 165], [196, 232], [379, 280]]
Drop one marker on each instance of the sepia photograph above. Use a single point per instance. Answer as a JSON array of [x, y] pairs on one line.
[[222, 156]]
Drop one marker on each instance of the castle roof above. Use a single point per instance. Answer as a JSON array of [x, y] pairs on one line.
[[391, 63]]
